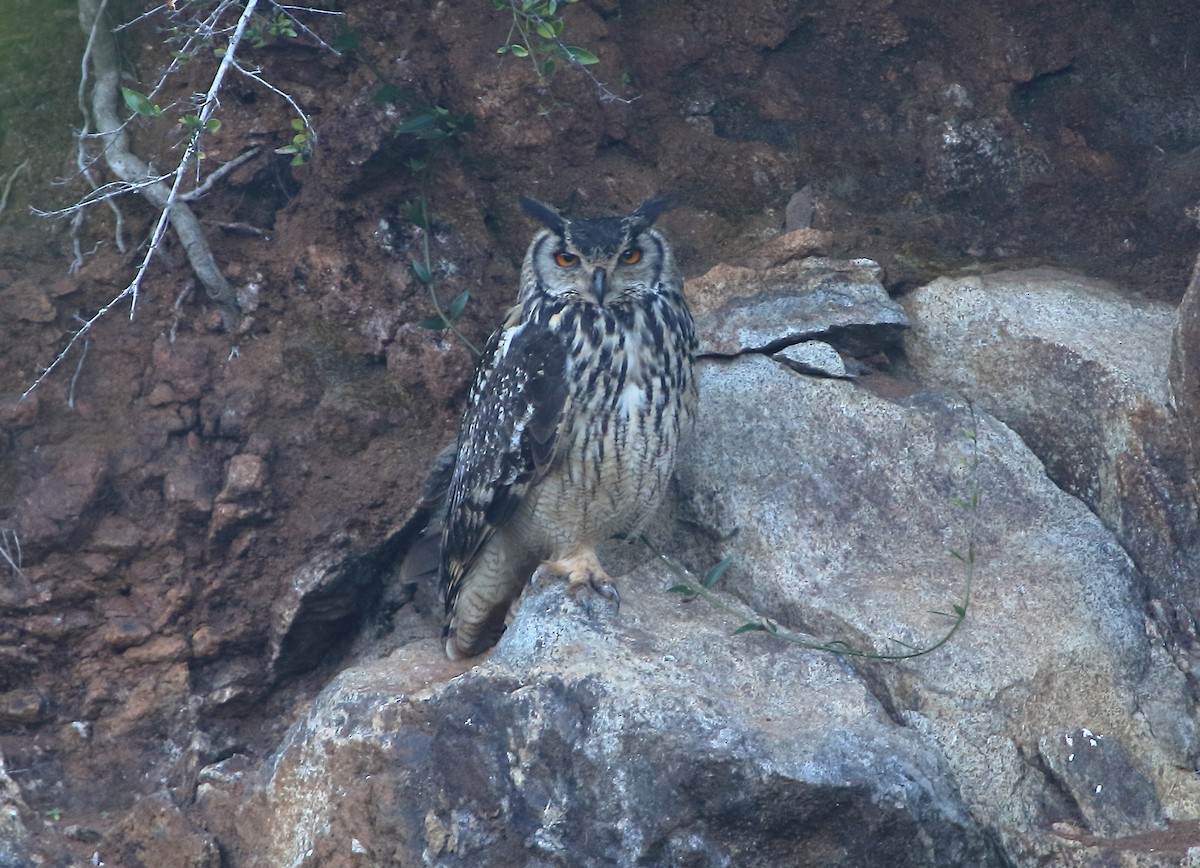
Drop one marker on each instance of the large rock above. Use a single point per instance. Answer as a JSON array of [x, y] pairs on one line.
[[841, 520], [653, 736], [1081, 373], [1185, 368], [741, 309], [608, 740], [14, 836]]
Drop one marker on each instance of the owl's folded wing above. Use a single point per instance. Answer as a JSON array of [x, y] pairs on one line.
[[506, 443]]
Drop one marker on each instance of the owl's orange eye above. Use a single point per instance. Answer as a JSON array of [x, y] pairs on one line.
[[631, 256], [566, 260]]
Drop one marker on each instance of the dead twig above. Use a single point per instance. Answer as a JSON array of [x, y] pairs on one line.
[[136, 173]]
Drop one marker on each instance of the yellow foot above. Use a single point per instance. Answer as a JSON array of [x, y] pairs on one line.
[[581, 571]]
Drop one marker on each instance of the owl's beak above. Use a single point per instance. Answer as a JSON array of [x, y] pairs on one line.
[[599, 284]]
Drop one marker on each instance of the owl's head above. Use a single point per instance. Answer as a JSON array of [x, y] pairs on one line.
[[603, 261]]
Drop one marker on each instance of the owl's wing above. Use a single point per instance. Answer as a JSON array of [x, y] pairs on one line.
[[506, 443]]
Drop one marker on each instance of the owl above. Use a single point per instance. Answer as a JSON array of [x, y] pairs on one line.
[[574, 417]]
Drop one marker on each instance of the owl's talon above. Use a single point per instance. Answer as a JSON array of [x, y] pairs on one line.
[[608, 590]]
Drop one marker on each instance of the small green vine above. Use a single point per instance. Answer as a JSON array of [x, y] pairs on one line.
[[704, 588], [418, 215]]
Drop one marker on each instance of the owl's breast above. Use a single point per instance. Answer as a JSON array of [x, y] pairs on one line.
[[630, 402]]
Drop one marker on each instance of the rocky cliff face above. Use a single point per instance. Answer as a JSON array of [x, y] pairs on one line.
[[1050, 727], [205, 658]]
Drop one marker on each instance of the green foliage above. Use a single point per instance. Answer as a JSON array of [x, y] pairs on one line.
[[432, 126], [201, 31], [193, 123], [264, 30], [140, 104], [436, 124], [537, 33], [452, 313], [429, 123], [689, 586], [418, 215], [301, 146]]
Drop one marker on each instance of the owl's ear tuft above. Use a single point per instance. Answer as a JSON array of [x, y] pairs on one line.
[[544, 214], [651, 210]]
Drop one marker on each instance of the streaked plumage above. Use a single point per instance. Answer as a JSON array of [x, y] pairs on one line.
[[573, 419]]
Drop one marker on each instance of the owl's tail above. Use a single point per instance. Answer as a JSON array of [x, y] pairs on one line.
[[421, 561]]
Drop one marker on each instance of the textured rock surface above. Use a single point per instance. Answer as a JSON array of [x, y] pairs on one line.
[[1185, 368], [608, 739], [650, 735], [841, 520], [1081, 373], [13, 832], [740, 309]]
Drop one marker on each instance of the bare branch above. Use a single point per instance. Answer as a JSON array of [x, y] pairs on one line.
[[79, 335], [8, 182], [218, 174], [104, 123], [10, 549], [290, 11], [104, 192], [254, 75], [83, 159], [141, 17], [132, 169], [75, 376], [602, 89]]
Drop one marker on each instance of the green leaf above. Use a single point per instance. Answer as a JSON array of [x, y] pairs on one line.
[[298, 160], [718, 569], [388, 93], [751, 627], [519, 50], [421, 270], [213, 125], [548, 67], [140, 103], [581, 55], [415, 215], [544, 30], [458, 305], [299, 125], [417, 124], [681, 589], [348, 41], [433, 323]]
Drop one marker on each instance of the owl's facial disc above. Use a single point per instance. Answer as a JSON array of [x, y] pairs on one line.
[[602, 261]]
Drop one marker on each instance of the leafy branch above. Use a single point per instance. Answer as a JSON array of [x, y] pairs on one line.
[[536, 33], [104, 123], [705, 587], [418, 215]]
